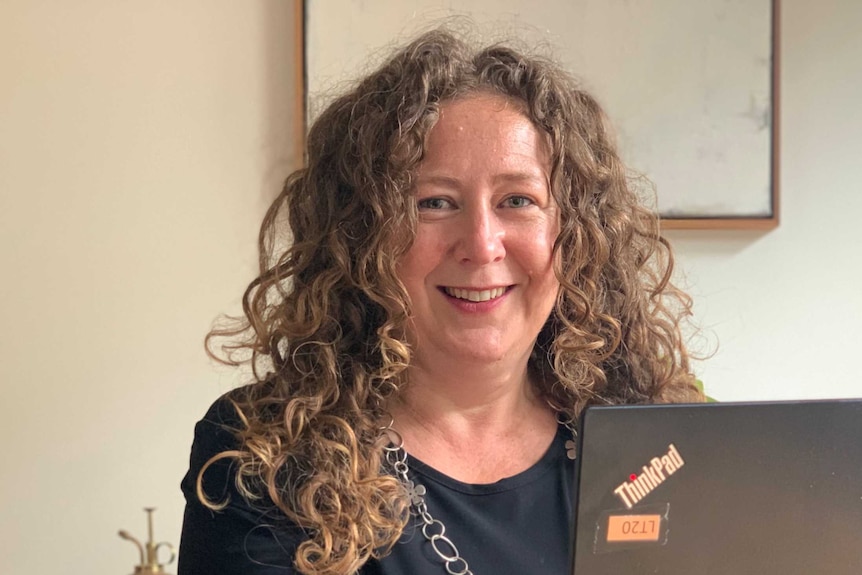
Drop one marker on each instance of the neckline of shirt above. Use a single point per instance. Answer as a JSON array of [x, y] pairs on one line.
[[546, 463]]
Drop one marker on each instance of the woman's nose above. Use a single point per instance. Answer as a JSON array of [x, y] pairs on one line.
[[480, 237]]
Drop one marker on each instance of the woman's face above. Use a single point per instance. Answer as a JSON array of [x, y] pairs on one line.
[[480, 273]]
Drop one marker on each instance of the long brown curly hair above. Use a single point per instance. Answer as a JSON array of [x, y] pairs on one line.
[[325, 321]]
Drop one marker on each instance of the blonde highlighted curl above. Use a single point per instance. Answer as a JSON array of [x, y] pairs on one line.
[[325, 319]]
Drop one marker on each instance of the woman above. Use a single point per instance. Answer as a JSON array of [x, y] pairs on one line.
[[469, 267]]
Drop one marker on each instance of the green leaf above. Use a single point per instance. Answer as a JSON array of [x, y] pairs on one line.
[[699, 384]]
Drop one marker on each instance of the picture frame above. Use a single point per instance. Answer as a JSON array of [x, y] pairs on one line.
[[691, 88]]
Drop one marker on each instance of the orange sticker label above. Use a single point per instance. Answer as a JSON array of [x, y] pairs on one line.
[[633, 528]]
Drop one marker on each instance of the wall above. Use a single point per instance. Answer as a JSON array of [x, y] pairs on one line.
[[139, 145]]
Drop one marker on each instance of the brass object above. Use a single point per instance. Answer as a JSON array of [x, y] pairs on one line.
[[149, 559]]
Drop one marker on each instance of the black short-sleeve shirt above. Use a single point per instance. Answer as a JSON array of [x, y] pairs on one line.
[[518, 525]]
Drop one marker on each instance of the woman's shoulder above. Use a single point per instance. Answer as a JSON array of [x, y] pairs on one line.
[[231, 534], [217, 441], [217, 430]]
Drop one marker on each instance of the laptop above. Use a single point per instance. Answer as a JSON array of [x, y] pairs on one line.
[[720, 488]]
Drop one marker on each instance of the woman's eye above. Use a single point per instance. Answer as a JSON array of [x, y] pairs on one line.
[[517, 202], [434, 204]]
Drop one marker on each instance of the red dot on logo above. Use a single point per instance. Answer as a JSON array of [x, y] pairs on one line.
[[632, 477]]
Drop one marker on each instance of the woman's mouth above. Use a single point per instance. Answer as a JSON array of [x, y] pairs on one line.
[[475, 295]]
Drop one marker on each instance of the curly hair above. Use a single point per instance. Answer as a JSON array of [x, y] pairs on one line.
[[325, 321]]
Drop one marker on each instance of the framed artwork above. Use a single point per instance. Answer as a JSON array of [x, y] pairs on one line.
[[691, 88]]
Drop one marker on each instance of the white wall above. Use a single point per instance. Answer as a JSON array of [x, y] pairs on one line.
[[139, 145]]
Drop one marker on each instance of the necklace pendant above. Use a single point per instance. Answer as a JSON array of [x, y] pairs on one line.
[[571, 449], [416, 492]]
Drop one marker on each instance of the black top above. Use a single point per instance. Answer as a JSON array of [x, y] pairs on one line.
[[518, 525]]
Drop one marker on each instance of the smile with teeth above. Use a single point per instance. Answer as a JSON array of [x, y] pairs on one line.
[[475, 295]]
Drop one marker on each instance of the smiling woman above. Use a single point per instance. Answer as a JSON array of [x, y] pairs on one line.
[[479, 275], [470, 267]]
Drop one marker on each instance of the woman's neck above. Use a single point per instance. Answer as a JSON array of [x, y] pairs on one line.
[[475, 429], [487, 397]]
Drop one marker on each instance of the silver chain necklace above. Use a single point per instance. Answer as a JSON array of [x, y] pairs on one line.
[[433, 529]]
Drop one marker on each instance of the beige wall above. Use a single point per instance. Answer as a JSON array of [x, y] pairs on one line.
[[139, 145]]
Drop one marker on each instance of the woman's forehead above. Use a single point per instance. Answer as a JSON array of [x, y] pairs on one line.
[[484, 126]]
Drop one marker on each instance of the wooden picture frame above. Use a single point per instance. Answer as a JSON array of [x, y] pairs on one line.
[[360, 28]]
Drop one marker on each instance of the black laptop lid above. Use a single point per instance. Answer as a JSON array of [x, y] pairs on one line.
[[720, 489]]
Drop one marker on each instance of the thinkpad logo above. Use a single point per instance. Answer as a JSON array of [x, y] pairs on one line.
[[651, 476]]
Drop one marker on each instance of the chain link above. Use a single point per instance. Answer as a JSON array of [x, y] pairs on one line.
[[434, 530]]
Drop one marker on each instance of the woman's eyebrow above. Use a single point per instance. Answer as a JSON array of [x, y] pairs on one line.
[[528, 177], [439, 180]]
